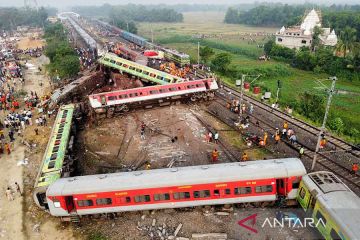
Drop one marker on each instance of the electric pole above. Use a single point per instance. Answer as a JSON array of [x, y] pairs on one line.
[[241, 95], [152, 35], [198, 56], [278, 90], [322, 129]]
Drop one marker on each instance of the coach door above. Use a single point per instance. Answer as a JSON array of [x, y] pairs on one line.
[[311, 203], [70, 204], [103, 100], [281, 186]]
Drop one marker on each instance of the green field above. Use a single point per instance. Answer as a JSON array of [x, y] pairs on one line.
[[294, 81]]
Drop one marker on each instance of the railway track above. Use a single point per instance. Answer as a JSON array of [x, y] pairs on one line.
[[326, 162], [337, 142]]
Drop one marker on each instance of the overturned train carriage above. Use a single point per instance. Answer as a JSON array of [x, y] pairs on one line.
[[253, 181], [56, 161], [123, 100]]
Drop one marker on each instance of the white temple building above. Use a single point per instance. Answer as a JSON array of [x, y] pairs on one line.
[[299, 36]]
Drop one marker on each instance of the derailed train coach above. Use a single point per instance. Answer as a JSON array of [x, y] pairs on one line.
[[253, 181]]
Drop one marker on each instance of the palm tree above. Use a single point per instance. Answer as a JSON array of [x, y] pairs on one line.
[[347, 40]]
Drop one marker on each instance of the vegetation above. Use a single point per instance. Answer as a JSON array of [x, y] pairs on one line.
[[10, 18], [335, 16], [131, 13], [206, 53], [64, 61]]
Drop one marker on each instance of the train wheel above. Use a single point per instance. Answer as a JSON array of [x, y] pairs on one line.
[[193, 98], [125, 108]]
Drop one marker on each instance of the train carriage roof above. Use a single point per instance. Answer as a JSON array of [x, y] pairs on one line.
[[336, 199], [215, 173]]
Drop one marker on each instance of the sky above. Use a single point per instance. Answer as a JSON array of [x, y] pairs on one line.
[[64, 3]]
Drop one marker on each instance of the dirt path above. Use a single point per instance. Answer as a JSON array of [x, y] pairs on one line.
[[11, 221], [16, 221]]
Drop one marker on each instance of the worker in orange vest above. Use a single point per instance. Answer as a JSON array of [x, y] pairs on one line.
[[265, 137], [244, 157], [147, 166], [322, 143], [214, 155], [355, 168], [285, 125], [277, 138], [261, 143]]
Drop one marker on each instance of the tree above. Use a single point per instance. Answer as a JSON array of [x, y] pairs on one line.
[[221, 62], [312, 106], [268, 46], [347, 40], [206, 53], [231, 16], [317, 32]]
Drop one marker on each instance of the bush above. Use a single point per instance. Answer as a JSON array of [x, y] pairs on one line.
[[336, 124]]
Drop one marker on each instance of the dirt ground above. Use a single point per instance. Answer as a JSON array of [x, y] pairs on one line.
[[21, 219], [26, 43]]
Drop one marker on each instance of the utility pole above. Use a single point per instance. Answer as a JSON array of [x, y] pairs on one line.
[[278, 90], [241, 95], [198, 56], [152, 35], [322, 129]]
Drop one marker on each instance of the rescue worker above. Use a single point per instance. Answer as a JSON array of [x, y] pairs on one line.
[[265, 137], [214, 155], [7, 148], [244, 157], [301, 152], [261, 142], [210, 136], [216, 137], [277, 138], [285, 125], [147, 166], [355, 168]]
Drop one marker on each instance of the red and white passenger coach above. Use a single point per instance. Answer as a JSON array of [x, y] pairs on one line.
[[194, 89], [253, 181]]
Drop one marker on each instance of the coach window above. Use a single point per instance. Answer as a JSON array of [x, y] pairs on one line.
[[123, 96], [296, 184], [154, 91], [139, 70], [228, 191], [242, 190], [217, 192], [112, 61], [302, 193], [85, 203], [334, 235], [104, 201], [202, 194], [261, 189], [146, 73], [173, 89], [162, 90], [161, 197], [167, 79], [199, 85], [320, 216], [112, 98], [123, 200], [181, 195], [131, 68], [142, 198]]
